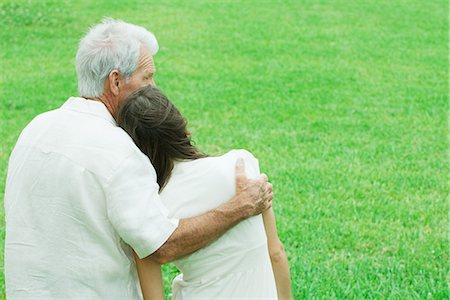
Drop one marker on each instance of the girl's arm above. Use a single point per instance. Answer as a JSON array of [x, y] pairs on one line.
[[150, 278], [277, 256]]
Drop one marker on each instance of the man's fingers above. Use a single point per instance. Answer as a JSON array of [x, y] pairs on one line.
[[267, 197], [240, 168], [268, 203], [264, 177]]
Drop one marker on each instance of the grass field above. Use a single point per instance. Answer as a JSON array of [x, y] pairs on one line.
[[345, 104]]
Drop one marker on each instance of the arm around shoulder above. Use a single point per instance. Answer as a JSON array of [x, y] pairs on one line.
[[253, 196]]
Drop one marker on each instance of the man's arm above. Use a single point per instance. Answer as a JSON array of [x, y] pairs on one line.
[[253, 196]]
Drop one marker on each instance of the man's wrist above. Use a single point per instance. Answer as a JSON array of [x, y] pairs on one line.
[[241, 207]]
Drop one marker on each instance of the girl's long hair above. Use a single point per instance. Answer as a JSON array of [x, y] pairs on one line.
[[158, 129]]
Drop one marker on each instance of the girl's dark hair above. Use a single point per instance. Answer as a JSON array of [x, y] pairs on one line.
[[158, 129]]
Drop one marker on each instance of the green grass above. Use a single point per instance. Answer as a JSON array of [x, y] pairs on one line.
[[343, 102]]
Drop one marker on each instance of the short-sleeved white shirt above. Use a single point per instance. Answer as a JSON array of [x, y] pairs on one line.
[[79, 193]]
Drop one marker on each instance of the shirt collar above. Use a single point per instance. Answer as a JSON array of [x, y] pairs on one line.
[[91, 107]]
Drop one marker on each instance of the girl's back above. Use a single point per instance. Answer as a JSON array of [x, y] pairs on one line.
[[237, 265]]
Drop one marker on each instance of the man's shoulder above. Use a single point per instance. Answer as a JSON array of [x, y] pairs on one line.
[[85, 140], [60, 128]]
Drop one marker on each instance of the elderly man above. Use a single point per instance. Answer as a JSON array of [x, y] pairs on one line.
[[80, 196]]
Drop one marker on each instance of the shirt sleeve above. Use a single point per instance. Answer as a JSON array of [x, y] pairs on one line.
[[134, 208]]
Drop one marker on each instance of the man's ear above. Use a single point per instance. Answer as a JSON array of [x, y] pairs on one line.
[[114, 81]]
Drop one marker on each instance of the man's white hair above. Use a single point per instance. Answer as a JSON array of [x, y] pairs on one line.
[[110, 45]]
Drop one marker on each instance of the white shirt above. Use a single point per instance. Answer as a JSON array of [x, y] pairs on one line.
[[78, 192], [235, 266]]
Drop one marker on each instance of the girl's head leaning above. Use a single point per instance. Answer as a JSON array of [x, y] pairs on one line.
[[158, 129]]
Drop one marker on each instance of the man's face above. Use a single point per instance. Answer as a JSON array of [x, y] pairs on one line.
[[143, 75]]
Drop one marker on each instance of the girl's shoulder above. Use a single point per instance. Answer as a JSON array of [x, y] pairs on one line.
[[251, 163], [219, 165]]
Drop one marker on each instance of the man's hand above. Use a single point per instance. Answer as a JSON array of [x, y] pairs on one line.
[[255, 195]]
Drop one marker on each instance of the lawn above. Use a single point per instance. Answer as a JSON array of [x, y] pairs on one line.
[[345, 104]]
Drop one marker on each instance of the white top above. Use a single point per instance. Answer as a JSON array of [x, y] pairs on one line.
[[237, 265], [78, 192]]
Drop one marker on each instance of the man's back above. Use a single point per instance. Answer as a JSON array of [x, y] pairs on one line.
[[64, 200]]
